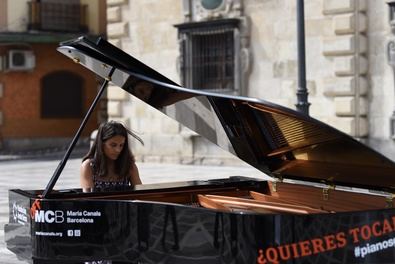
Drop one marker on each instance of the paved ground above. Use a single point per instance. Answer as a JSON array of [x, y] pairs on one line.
[[35, 174]]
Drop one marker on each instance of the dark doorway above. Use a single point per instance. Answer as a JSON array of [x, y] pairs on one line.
[[61, 95]]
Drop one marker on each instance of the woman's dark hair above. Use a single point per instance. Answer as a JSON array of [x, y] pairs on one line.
[[125, 159]]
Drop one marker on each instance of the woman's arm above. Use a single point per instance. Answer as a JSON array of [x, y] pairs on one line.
[[86, 177], [134, 174]]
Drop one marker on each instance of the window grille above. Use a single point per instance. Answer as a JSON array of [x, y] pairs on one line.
[[58, 17], [208, 59], [212, 64]]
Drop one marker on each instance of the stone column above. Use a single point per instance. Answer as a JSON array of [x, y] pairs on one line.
[[347, 49], [117, 28]]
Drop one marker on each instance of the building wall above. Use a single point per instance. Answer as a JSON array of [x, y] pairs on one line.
[[350, 84], [18, 15], [145, 30], [96, 15], [381, 78], [333, 66], [22, 125], [3, 14]]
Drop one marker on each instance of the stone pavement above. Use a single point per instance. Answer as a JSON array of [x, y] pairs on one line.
[[35, 174]]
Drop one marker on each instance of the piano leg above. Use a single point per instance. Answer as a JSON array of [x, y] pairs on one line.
[[143, 229], [219, 223], [233, 234], [170, 211]]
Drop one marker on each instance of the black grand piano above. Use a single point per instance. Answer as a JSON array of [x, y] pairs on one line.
[[330, 201]]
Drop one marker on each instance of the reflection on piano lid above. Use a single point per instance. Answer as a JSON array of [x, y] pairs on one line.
[[278, 141]]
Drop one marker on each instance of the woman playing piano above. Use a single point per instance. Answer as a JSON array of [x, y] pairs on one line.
[[109, 165]]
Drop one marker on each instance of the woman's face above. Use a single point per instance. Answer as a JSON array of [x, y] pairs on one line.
[[113, 146]]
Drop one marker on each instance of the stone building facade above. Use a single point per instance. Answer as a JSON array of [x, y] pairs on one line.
[[43, 94], [349, 77]]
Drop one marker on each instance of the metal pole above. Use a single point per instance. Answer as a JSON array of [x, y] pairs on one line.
[[61, 165], [302, 104]]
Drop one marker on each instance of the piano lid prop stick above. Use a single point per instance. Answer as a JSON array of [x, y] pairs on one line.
[[61, 165]]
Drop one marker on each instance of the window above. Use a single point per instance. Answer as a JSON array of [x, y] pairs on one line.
[[208, 59], [211, 4], [61, 95], [58, 16]]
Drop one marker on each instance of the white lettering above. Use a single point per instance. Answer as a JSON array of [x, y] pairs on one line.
[[39, 216], [21, 210], [48, 216], [59, 217], [19, 214], [79, 220], [96, 213], [40, 233], [362, 251], [71, 213]]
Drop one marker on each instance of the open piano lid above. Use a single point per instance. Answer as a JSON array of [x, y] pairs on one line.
[[279, 141]]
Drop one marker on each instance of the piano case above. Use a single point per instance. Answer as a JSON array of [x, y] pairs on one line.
[[330, 201]]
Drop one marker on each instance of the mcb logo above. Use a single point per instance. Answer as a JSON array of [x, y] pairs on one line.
[[49, 216], [45, 216]]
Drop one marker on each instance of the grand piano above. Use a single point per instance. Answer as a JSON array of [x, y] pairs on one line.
[[330, 200]]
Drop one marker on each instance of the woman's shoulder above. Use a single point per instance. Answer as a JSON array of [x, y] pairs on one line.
[[134, 174], [87, 165]]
